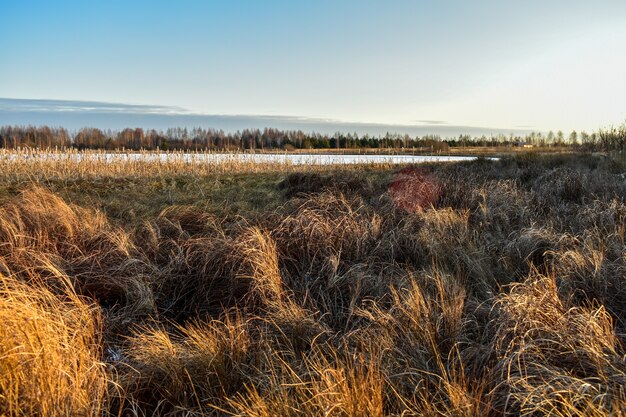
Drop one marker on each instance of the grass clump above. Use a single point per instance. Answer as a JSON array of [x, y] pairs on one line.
[[50, 349]]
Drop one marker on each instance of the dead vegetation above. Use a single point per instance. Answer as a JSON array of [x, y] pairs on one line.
[[471, 289]]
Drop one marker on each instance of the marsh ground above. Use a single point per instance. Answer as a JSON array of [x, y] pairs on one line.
[[475, 288]]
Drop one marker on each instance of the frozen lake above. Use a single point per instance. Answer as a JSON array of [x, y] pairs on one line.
[[313, 159]]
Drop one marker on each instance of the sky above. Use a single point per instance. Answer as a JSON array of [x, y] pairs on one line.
[[535, 65]]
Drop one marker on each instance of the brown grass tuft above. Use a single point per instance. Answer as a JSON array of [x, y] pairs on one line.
[[187, 368], [49, 353], [555, 358]]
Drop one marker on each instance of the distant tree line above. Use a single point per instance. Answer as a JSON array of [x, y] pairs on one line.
[[44, 137]]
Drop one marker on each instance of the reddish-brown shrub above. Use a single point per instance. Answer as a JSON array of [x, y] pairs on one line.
[[414, 189]]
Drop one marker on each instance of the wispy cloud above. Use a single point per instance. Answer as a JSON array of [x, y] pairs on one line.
[[43, 105], [78, 114], [432, 122]]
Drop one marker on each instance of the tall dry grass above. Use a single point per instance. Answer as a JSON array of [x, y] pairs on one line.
[[498, 292], [34, 165], [43, 238], [50, 352]]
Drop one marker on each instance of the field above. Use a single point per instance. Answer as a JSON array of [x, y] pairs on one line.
[[478, 288]]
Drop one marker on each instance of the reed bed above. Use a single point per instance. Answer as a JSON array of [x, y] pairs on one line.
[[481, 288], [37, 164]]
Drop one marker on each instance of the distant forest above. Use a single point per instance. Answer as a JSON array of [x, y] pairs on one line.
[[44, 137]]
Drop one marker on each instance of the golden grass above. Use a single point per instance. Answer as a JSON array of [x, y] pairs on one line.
[[49, 353], [502, 296], [43, 165]]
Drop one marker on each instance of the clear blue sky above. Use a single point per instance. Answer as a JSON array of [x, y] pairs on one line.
[[542, 64]]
